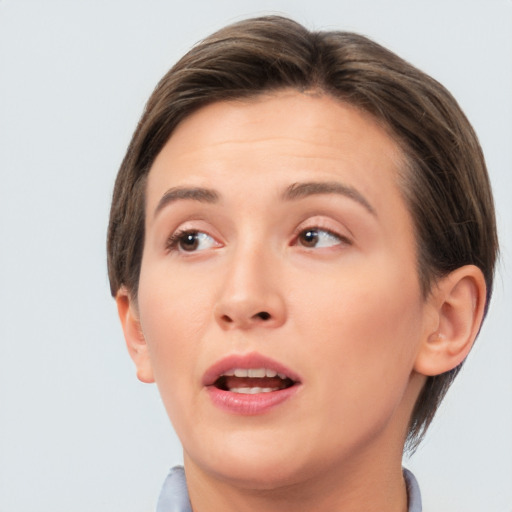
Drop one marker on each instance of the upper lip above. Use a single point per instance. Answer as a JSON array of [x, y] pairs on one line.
[[246, 361]]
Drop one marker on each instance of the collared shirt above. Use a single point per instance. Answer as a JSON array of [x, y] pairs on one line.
[[174, 495]]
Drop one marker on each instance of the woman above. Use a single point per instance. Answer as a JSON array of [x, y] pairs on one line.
[[301, 247]]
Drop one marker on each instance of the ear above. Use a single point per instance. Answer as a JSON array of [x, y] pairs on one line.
[[135, 341], [458, 302]]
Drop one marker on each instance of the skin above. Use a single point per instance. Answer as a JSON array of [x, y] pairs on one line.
[[347, 314]]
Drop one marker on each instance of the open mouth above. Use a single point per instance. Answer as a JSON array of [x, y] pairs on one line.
[[250, 384], [252, 381]]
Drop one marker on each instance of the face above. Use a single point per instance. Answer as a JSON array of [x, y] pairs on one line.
[[279, 301]]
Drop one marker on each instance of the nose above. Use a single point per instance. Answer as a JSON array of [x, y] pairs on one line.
[[251, 293]]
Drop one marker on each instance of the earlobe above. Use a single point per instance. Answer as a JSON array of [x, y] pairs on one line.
[[133, 335], [458, 300]]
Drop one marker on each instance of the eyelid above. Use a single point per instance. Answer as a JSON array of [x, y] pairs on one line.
[[329, 240], [321, 224], [173, 240]]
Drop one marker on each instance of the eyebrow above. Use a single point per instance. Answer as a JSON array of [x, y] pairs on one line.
[[293, 192], [203, 195], [302, 190]]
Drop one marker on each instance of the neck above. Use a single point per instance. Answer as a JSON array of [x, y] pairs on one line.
[[369, 487]]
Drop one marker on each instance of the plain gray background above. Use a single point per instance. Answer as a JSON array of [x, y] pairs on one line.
[[78, 432]]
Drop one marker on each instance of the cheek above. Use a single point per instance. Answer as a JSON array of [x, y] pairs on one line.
[[369, 326], [174, 315], [365, 347], [172, 303]]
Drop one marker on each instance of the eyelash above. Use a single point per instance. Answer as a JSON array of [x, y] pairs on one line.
[[174, 241], [317, 229]]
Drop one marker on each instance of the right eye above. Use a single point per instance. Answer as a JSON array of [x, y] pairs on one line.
[[190, 241]]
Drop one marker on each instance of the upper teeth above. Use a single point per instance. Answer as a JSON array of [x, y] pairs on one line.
[[253, 372]]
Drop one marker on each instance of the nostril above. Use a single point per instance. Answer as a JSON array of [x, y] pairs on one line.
[[243, 321]]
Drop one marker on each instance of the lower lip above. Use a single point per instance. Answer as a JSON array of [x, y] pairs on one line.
[[249, 405]]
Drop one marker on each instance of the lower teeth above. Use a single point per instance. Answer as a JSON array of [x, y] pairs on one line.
[[252, 391]]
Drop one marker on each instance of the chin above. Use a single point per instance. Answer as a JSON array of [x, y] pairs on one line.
[[252, 464], [261, 476]]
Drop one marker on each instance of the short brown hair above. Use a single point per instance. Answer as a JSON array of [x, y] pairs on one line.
[[444, 182]]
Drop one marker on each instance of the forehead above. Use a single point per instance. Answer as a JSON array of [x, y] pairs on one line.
[[316, 120], [275, 138]]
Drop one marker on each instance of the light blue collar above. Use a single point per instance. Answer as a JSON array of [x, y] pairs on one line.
[[174, 493]]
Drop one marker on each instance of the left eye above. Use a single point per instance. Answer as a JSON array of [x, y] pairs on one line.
[[191, 241], [318, 238]]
